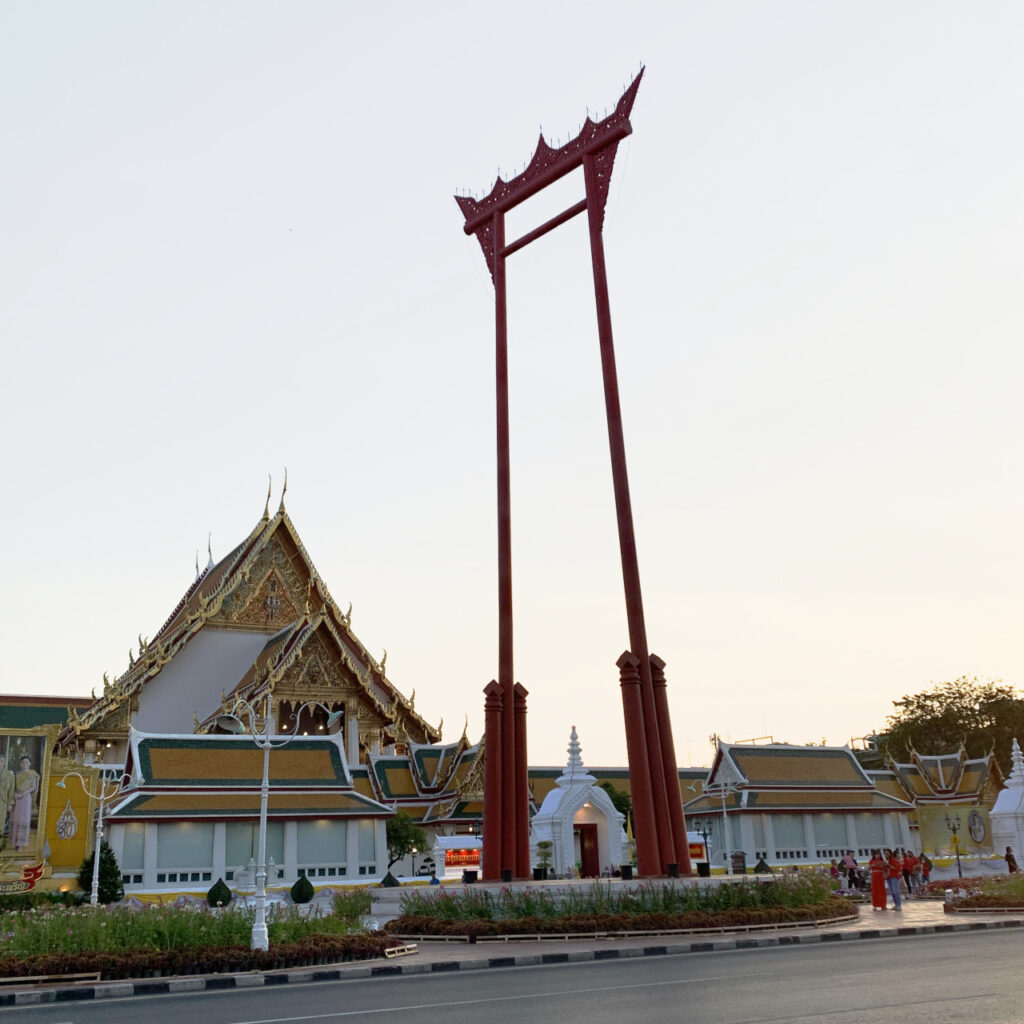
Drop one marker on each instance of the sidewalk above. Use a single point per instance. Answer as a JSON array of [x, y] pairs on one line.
[[919, 917]]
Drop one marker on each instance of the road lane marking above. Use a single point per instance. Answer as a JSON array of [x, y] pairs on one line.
[[589, 990]]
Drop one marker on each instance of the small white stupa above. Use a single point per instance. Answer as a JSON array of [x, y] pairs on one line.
[[1007, 816], [580, 821]]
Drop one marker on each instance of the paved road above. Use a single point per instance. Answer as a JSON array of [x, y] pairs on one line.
[[926, 980]]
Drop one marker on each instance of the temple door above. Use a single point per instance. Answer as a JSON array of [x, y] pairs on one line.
[[590, 864]]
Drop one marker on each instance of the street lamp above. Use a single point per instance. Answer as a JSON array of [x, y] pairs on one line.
[[230, 722], [414, 852], [702, 826], [723, 789], [954, 827], [94, 897]]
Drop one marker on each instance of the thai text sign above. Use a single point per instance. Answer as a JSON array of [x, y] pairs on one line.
[[461, 858]]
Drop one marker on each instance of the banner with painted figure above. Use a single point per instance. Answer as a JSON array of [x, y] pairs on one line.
[[45, 830], [24, 764]]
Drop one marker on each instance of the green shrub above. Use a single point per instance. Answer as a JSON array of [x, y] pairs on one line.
[[13, 903], [352, 904], [302, 891], [219, 894]]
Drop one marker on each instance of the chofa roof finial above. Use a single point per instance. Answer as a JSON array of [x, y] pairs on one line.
[[266, 506], [284, 491]]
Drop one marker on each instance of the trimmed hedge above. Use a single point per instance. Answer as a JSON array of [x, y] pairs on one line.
[[415, 924], [203, 960]]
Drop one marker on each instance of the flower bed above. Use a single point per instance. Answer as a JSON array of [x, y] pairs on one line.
[[42, 938], [1000, 893], [145, 963], [602, 908], [419, 926], [938, 888]]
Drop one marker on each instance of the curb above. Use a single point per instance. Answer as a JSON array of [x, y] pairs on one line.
[[221, 982]]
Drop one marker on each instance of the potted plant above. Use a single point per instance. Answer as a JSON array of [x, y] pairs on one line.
[[543, 860]]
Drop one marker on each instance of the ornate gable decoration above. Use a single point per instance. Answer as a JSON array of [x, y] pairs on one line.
[[267, 582], [270, 593]]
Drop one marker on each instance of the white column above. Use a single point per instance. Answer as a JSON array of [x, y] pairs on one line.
[[851, 833], [115, 837], [380, 846], [769, 840], [352, 848], [149, 852], [906, 841], [747, 843], [888, 831], [291, 853], [219, 848], [809, 841]]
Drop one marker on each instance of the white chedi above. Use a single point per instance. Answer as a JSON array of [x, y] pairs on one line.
[[1007, 816], [577, 800]]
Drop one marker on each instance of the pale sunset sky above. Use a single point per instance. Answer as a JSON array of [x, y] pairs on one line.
[[228, 244]]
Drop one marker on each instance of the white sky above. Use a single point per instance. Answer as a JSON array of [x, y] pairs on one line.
[[228, 244]]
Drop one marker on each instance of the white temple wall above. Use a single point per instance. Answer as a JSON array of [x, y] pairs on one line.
[[192, 855]]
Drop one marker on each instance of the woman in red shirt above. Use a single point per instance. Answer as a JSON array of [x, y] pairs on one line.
[[877, 866], [893, 879]]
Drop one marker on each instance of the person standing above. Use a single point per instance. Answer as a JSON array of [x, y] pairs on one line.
[[850, 867], [915, 873], [895, 869], [1011, 861], [877, 866], [926, 868], [905, 856], [6, 795], [26, 785]]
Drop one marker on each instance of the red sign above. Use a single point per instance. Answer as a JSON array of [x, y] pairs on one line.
[[29, 877], [697, 851], [461, 858]]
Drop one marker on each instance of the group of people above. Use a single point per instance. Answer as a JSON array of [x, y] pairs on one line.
[[886, 869], [17, 797]]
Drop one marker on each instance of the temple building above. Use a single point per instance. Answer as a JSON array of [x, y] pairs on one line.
[[795, 804], [941, 788], [258, 624], [258, 635]]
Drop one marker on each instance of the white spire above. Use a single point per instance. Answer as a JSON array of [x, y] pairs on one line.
[[209, 549], [1016, 779], [574, 771]]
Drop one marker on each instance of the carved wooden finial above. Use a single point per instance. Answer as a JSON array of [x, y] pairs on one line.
[[284, 491]]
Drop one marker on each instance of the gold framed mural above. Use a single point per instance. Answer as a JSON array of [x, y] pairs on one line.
[[24, 792]]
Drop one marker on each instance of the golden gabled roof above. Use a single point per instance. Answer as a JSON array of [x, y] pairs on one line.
[[203, 602], [797, 766]]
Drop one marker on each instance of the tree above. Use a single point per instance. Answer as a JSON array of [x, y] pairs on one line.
[[111, 888], [983, 716], [404, 835], [622, 800]]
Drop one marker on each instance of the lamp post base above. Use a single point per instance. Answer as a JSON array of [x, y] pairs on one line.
[[260, 937]]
